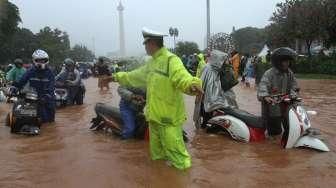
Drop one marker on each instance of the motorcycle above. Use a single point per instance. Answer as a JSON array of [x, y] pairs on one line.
[[112, 123], [23, 118], [10, 98], [246, 127], [2, 96], [62, 95]]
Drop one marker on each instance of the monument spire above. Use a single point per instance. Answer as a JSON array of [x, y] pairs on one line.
[[122, 50]]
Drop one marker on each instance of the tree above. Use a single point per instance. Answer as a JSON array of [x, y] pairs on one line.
[[186, 48], [300, 19], [9, 19], [330, 21], [276, 37], [55, 42], [81, 53], [249, 39], [23, 45]]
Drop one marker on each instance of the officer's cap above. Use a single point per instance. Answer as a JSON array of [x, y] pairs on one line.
[[150, 34]]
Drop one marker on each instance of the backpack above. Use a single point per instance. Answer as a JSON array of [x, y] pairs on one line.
[[227, 77]]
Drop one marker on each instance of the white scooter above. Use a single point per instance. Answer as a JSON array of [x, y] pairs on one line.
[[246, 127]]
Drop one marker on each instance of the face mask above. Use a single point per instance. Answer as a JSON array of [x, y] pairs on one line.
[[40, 65]]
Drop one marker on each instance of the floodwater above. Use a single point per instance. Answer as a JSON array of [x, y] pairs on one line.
[[67, 154]]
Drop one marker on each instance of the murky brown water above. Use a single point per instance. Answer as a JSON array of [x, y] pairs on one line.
[[67, 154]]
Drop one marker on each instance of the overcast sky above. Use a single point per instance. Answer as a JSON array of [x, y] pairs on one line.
[[95, 23]]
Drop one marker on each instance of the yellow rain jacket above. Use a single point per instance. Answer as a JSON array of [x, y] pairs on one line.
[[201, 65], [166, 80]]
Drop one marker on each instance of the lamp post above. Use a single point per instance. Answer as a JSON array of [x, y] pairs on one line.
[[208, 23], [173, 32]]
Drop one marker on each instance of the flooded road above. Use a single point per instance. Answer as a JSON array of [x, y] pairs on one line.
[[67, 154]]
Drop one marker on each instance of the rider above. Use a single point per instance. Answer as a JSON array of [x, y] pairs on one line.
[[42, 79], [277, 80], [15, 74], [69, 78], [215, 97], [131, 104], [103, 72]]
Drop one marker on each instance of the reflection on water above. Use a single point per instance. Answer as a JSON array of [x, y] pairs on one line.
[[67, 154]]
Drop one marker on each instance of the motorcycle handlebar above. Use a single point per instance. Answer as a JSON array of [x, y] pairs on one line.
[[279, 98]]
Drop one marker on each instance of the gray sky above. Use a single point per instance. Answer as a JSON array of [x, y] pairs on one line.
[[87, 20]]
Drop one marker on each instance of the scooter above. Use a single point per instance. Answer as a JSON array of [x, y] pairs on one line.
[[23, 118], [246, 127]]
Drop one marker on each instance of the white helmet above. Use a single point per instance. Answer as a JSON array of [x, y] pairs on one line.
[[40, 59]]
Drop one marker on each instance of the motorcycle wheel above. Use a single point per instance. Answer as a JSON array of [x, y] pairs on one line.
[[79, 98], [10, 120]]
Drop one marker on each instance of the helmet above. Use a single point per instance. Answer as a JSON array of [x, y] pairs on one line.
[[9, 67], [100, 59], [18, 61], [68, 62], [283, 54], [40, 59]]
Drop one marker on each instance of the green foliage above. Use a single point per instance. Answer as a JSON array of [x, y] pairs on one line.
[[306, 20], [81, 53], [21, 43], [55, 42], [249, 39], [276, 36], [316, 76], [186, 48], [9, 19], [315, 65], [330, 22]]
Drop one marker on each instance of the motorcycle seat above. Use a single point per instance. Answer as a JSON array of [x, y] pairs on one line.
[[250, 119]]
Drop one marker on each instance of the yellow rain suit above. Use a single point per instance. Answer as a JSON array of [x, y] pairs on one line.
[[165, 78], [201, 65]]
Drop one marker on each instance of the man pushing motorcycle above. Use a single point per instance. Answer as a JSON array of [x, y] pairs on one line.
[[166, 80]]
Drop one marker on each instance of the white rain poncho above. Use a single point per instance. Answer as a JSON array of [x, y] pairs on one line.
[[214, 96]]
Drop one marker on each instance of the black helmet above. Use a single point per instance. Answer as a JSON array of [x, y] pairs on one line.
[[101, 59], [18, 61], [283, 54]]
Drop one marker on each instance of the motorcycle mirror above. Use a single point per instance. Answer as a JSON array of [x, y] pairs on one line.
[[287, 100], [311, 112], [298, 99]]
